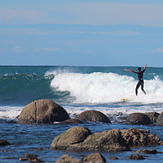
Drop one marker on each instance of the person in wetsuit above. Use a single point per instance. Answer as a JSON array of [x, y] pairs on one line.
[[140, 77]]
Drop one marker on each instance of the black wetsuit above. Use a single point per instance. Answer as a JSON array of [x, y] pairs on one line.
[[140, 82]]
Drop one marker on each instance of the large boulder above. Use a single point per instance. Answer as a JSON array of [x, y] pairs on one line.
[[42, 111], [81, 139], [159, 120], [93, 116], [138, 119], [71, 137]]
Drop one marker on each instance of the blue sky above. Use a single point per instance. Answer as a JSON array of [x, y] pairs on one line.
[[81, 32]]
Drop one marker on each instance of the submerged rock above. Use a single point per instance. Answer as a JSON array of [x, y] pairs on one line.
[[138, 119], [147, 151], [136, 157], [4, 143], [93, 116], [67, 159], [72, 121], [42, 111]]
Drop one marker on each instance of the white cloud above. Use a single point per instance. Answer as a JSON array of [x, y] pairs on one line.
[[46, 50], [159, 50], [11, 16], [99, 13], [17, 49]]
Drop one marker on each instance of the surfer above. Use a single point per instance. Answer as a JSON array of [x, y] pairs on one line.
[[140, 77]]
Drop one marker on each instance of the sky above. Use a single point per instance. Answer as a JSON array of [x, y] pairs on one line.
[[81, 32]]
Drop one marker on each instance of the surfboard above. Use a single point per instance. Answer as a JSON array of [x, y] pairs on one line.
[[125, 99]]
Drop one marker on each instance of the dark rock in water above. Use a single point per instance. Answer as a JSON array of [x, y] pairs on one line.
[[139, 138], [136, 157], [30, 158], [81, 139], [4, 143], [67, 159], [113, 158], [159, 120], [147, 151], [153, 116], [72, 121], [138, 119], [93, 158], [42, 111], [93, 116]]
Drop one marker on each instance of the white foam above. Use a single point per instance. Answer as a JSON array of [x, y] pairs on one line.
[[107, 87], [9, 112]]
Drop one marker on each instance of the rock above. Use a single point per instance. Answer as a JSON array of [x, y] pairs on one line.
[[67, 159], [136, 157], [153, 116], [93, 116], [159, 120], [4, 142], [146, 151], [138, 119], [30, 158], [113, 158], [81, 139], [71, 137], [94, 158], [140, 138], [42, 111], [72, 121]]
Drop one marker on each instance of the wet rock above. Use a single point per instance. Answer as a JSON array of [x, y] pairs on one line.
[[136, 157], [153, 116], [138, 119], [139, 138], [4, 143], [81, 139], [30, 158], [42, 111], [94, 158], [146, 151], [93, 116], [72, 121], [113, 158], [71, 137], [67, 159], [159, 120]]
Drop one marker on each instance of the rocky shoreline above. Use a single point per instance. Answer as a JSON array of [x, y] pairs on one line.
[[81, 139]]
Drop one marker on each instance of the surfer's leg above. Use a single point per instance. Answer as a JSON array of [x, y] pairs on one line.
[[137, 86], [142, 86]]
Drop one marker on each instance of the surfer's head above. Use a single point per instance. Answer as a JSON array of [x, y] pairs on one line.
[[139, 68]]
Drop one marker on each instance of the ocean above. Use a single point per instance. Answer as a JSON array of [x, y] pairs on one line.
[[76, 89]]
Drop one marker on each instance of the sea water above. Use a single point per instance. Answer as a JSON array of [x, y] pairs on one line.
[[76, 89]]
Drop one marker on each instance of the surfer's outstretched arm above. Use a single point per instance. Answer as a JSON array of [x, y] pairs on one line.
[[130, 70], [145, 66]]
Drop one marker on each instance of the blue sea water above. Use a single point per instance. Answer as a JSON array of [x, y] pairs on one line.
[[76, 89]]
